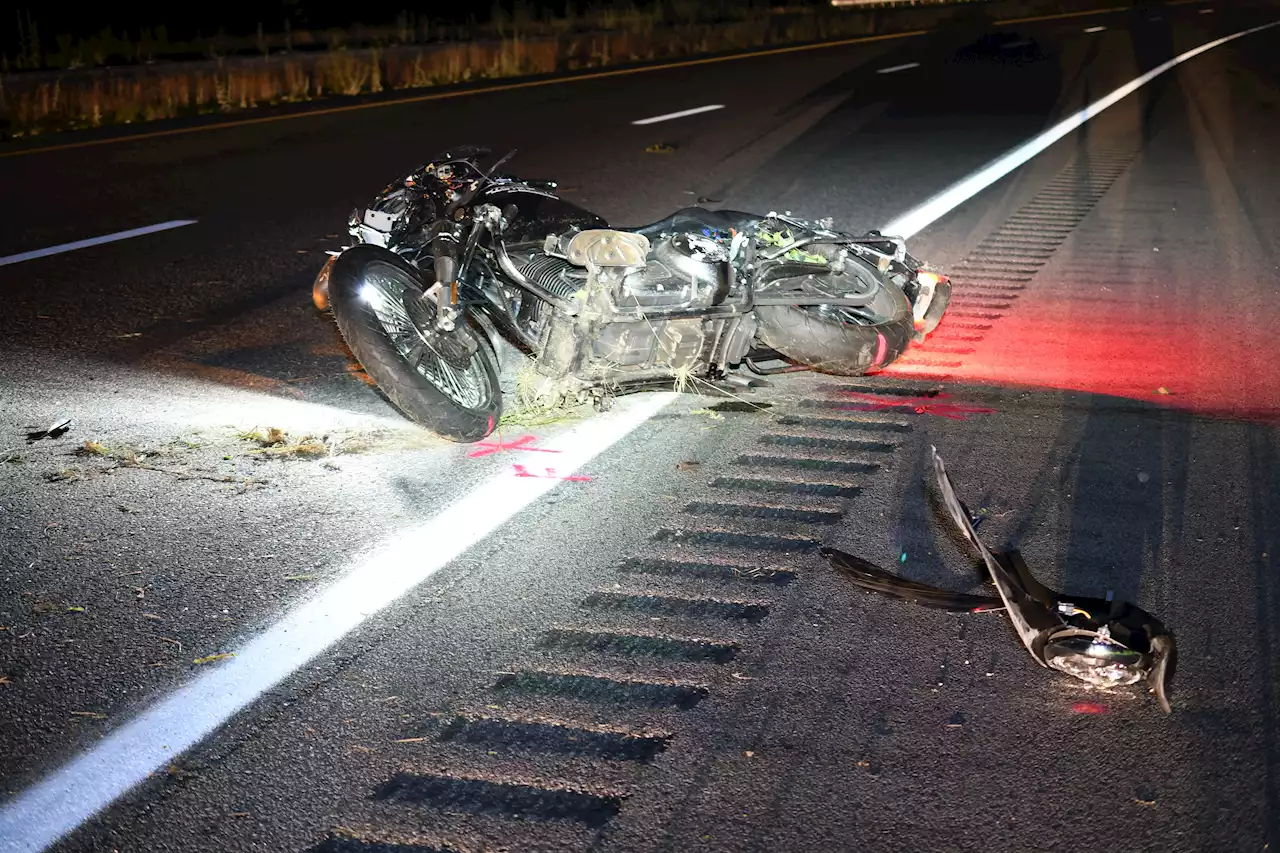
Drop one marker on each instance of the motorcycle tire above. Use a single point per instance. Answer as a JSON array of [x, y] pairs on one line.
[[362, 293], [822, 338]]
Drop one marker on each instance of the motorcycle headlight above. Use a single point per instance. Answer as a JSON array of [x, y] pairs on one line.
[[1099, 661]]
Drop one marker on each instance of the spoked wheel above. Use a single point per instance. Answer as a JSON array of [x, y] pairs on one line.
[[445, 381], [844, 340]]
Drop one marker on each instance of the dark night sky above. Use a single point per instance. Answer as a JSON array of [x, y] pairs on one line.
[[185, 20]]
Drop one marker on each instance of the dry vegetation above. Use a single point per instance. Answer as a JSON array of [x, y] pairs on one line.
[[407, 56]]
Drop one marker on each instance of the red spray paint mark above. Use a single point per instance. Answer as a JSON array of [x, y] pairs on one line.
[[924, 405], [551, 474], [487, 447], [1089, 708]]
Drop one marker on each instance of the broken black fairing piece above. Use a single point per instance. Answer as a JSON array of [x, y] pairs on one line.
[[1105, 643], [875, 579]]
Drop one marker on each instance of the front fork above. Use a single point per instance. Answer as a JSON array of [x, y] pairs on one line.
[[450, 264]]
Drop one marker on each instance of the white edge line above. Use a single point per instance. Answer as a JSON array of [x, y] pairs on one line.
[[895, 68], [79, 789], [913, 221], [681, 114], [94, 241]]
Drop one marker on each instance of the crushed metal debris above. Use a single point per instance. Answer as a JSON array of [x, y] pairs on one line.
[[1103, 642]]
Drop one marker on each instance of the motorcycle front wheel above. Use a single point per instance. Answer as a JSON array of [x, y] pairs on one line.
[[841, 340], [444, 381]]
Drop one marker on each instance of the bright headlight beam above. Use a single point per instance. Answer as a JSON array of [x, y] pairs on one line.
[[912, 222], [73, 793]]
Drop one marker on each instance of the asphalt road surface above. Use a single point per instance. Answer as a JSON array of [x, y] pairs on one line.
[[652, 656]]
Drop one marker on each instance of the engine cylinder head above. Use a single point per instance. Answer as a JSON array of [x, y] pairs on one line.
[[549, 272]]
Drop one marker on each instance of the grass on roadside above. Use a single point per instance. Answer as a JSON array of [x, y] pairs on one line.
[[391, 59]]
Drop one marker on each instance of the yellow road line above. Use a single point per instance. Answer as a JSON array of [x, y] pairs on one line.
[[440, 96], [1063, 15]]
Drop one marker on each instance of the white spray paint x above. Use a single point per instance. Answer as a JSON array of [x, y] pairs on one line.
[[73, 793]]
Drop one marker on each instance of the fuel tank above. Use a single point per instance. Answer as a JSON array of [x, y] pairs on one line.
[[538, 212]]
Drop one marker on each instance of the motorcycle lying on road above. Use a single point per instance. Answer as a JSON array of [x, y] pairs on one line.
[[453, 262]]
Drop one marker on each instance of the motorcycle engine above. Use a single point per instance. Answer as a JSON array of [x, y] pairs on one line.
[[682, 271]]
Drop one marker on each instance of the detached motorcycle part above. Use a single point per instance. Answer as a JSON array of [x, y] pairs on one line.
[[1104, 643], [320, 288], [839, 339], [445, 381]]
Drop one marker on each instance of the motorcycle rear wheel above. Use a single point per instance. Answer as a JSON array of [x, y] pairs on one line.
[[448, 391], [831, 339]]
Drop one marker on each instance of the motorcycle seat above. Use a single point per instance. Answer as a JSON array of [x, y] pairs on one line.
[[695, 219]]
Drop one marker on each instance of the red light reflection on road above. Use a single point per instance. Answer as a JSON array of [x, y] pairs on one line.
[[1167, 355], [1092, 708], [924, 405]]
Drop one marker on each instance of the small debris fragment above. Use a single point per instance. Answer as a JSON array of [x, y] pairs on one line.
[[212, 658], [1143, 476], [411, 740], [53, 430], [75, 608], [129, 335], [687, 464], [4, 680], [1163, 390], [93, 715], [749, 753], [955, 721], [660, 148], [300, 577], [715, 416]]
